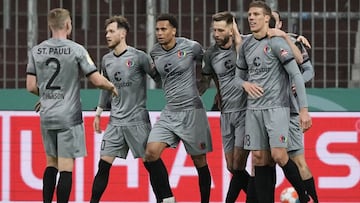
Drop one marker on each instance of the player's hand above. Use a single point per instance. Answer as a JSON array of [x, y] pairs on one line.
[[305, 119], [96, 124], [274, 32], [303, 40], [114, 90], [37, 106], [254, 90]]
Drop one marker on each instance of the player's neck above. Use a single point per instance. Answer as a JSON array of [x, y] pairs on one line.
[[60, 34], [261, 33], [120, 48], [169, 45]]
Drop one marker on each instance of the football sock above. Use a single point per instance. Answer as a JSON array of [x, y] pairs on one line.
[[156, 192], [291, 172], [49, 182], [204, 183], [159, 178], [251, 191], [100, 181], [310, 189], [264, 184], [64, 187], [239, 180]]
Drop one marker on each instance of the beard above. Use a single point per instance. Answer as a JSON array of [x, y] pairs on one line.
[[222, 42]]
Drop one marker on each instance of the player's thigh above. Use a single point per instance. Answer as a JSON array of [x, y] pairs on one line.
[[194, 131], [113, 143], [136, 137], [71, 142], [163, 131], [295, 141], [49, 138], [277, 121], [255, 133], [227, 134]]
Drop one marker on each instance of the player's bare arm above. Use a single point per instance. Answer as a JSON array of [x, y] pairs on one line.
[[31, 85], [101, 82]]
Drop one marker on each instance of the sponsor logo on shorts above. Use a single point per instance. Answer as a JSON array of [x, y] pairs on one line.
[[202, 145]]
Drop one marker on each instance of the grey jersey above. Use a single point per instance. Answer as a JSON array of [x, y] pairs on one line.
[[264, 60], [222, 62], [177, 68], [128, 73], [57, 64]]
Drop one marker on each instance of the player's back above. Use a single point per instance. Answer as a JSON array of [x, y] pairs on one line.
[[57, 64]]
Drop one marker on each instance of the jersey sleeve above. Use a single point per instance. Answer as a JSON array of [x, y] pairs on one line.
[[30, 69], [86, 63], [198, 52], [306, 67], [282, 50], [149, 67], [105, 95], [207, 68]]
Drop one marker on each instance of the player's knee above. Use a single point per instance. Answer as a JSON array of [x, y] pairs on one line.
[[280, 157]]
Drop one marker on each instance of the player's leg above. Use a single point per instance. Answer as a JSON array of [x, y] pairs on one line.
[[277, 122], [296, 153], [257, 141], [233, 133], [49, 179], [251, 191], [202, 168], [159, 176], [112, 145], [64, 186], [101, 178], [161, 136], [71, 145], [51, 170], [265, 176], [240, 177], [306, 176], [195, 135]]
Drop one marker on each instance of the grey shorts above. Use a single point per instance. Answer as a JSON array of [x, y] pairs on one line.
[[189, 126], [66, 143], [295, 142], [232, 129], [266, 128], [117, 140]]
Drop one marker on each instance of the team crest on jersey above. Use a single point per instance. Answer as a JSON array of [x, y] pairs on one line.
[[90, 61], [282, 139], [129, 63], [181, 54], [267, 49], [283, 52]]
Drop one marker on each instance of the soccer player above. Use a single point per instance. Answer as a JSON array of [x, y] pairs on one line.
[[183, 117], [129, 125], [53, 72], [220, 60], [269, 63], [295, 144]]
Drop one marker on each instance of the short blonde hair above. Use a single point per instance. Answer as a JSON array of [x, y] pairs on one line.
[[57, 18]]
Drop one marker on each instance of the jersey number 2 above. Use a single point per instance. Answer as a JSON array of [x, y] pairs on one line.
[[49, 84]]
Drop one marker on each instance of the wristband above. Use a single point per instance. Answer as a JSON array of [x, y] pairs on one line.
[[99, 110]]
